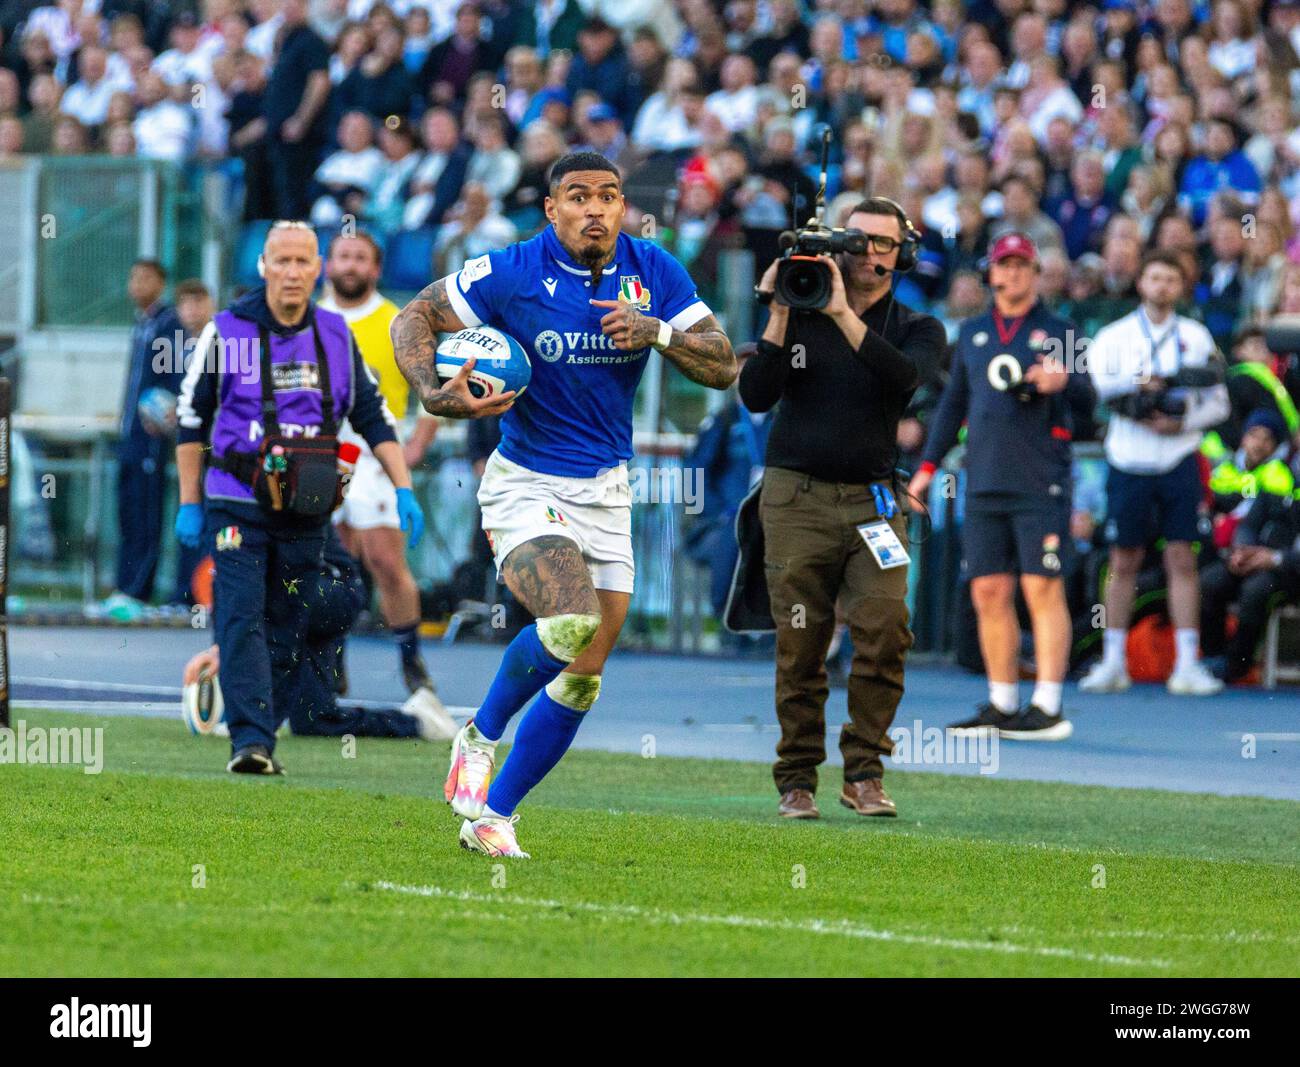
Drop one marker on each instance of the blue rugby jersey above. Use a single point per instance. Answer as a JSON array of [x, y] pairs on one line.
[[575, 419]]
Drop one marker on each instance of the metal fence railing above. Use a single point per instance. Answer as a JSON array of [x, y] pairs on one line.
[[66, 542], [79, 222]]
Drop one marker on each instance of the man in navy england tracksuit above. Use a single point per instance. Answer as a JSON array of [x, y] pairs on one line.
[[142, 446], [1012, 383]]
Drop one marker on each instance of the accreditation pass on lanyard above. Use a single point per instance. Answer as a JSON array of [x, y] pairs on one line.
[[884, 545]]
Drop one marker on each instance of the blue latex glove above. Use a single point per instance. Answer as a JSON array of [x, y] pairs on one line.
[[411, 515], [884, 497], [189, 525]]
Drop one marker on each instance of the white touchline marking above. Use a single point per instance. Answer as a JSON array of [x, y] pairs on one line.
[[106, 707], [1231, 937], [108, 687], [124, 707], [833, 927]]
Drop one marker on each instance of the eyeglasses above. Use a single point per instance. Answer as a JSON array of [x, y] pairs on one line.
[[878, 242]]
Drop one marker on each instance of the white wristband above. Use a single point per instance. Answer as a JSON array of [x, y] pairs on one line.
[[665, 337]]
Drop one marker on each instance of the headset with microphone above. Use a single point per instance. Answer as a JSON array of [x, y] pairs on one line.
[[908, 248]]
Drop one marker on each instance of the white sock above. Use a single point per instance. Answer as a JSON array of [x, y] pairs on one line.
[[1047, 695], [1114, 646], [488, 813], [1187, 647], [1005, 696]]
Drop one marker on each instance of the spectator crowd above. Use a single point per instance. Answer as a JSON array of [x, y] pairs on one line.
[[1102, 130]]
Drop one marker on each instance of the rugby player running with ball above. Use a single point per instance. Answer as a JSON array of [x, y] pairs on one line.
[[587, 303]]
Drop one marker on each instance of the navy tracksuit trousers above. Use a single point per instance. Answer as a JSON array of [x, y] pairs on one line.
[[285, 594], [141, 489]]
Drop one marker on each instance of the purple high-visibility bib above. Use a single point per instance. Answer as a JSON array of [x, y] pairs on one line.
[[237, 425]]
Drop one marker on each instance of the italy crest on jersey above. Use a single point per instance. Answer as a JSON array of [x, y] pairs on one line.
[[633, 292]]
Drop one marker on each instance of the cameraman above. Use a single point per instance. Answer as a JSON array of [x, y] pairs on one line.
[[843, 375], [268, 425], [1017, 396], [1155, 368]]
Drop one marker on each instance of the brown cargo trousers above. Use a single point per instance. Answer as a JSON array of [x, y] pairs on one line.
[[815, 557]]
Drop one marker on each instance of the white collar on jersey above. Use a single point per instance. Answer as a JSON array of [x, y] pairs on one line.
[[353, 314], [582, 272]]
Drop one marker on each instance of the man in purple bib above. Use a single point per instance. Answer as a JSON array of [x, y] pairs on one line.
[[264, 557]]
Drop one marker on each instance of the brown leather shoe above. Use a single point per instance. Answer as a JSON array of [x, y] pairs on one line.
[[798, 804], [868, 797]]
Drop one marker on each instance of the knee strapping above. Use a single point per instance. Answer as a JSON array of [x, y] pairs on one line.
[[566, 636], [575, 691]]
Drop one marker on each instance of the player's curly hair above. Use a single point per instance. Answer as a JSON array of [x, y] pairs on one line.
[[572, 161]]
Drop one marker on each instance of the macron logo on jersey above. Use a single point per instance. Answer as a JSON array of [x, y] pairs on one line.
[[550, 284]]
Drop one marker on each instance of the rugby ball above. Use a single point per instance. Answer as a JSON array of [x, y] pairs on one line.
[[501, 364], [203, 707], [157, 410]]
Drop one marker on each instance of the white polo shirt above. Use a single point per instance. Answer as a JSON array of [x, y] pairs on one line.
[[87, 103], [1132, 350]]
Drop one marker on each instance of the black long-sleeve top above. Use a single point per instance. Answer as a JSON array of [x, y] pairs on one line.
[[1274, 522], [838, 419]]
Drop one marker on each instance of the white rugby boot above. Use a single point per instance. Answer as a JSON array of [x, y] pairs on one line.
[[492, 836], [473, 758], [430, 715]]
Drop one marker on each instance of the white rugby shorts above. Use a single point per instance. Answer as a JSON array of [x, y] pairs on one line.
[[595, 513], [371, 500]]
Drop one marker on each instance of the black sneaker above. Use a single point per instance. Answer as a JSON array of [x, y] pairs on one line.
[[988, 719], [1034, 724], [416, 675], [255, 759]]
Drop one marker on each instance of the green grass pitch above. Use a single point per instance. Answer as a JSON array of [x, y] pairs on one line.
[[165, 865]]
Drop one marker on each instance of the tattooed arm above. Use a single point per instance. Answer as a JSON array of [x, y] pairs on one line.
[[415, 340], [702, 352]]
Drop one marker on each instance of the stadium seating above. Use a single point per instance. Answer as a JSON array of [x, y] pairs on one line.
[[408, 262], [249, 246], [326, 234], [1275, 668]]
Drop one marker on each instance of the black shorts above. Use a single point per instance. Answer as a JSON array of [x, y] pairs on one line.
[[1032, 541], [1142, 508]]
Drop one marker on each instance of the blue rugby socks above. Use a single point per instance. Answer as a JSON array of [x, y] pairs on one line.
[[525, 670], [408, 643], [544, 736]]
